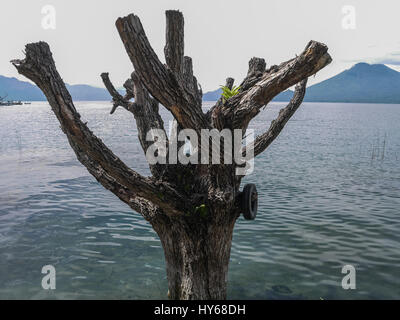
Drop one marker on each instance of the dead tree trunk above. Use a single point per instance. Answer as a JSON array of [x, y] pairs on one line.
[[192, 207]]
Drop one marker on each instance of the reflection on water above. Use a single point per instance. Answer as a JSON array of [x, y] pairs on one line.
[[327, 198]]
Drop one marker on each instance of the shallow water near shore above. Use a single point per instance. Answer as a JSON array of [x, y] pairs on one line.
[[329, 195]]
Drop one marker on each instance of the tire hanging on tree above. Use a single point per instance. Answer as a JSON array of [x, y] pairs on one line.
[[249, 201]]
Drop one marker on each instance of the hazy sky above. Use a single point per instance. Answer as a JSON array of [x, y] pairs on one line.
[[221, 36]]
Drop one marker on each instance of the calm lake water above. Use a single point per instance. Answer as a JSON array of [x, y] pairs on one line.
[[329, 191]]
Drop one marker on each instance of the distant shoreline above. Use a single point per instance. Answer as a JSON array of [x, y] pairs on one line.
[[355, 85], [28, 102]]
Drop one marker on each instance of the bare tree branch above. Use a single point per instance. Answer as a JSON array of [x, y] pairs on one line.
[[118, 99], [189, 80], [162, 83], [147, 116], [100, 161], [181, 65], [144, 109], [256, 70], [247, 104], [263, 141], [254, 74], [174, 47]]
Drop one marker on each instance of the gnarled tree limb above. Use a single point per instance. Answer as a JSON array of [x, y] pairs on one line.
[[162, 82], [174, 47], [256, 70], [189, 80], [100, 161], [181, 65], [247, 104], [144, 109], [118, 99], [263, 141]]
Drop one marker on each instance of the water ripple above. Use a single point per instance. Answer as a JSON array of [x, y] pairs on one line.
[[326, 200]]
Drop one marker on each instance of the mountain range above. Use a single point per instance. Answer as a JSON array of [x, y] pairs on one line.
[[15, 89], [363, 83]]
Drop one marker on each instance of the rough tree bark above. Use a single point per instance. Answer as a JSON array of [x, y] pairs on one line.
[[193, 208]]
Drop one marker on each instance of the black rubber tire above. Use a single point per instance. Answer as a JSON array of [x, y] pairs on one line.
[[249, 201]]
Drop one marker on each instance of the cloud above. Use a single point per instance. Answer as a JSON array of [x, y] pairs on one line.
[[395, 62], [392, 58]]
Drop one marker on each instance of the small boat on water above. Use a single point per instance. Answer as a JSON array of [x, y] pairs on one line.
[[11, 102]]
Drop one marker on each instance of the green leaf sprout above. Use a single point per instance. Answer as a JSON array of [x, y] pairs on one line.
[[229, 93]]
